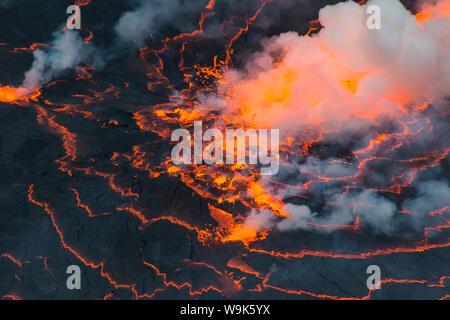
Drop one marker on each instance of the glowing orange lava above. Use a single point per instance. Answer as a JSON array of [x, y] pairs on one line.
[[17, 95]]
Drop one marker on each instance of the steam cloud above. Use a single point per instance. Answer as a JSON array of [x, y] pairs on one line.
[[399, 63], [351, 82], [67, 51], [149, 16], [346, 80]]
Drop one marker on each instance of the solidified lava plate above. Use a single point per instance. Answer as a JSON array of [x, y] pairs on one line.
[[357, 92]]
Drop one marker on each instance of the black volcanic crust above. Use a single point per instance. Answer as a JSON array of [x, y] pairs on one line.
[[44, 228]]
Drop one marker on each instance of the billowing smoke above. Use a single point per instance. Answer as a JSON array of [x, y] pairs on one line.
[[67, 51], [345, 70], [138, 25], [433, 195], [133, 30], [365, 92], [374, 210]]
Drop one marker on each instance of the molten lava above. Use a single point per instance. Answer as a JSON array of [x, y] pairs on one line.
[[364, 128], [17, 95], [9, 94]]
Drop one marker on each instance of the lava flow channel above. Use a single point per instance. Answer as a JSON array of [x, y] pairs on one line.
[[363, 176]]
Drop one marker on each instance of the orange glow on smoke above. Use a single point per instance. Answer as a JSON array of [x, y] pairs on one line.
[[433, 11], [9, 94], [352, 83], [17, 95], [242, 233], [305, 90], [291, 89], [284, 96], [440, 9]]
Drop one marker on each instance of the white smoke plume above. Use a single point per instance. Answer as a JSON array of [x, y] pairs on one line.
[[344, 70], [352, 83], [374, 211], [66, 52], [149, 16]]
